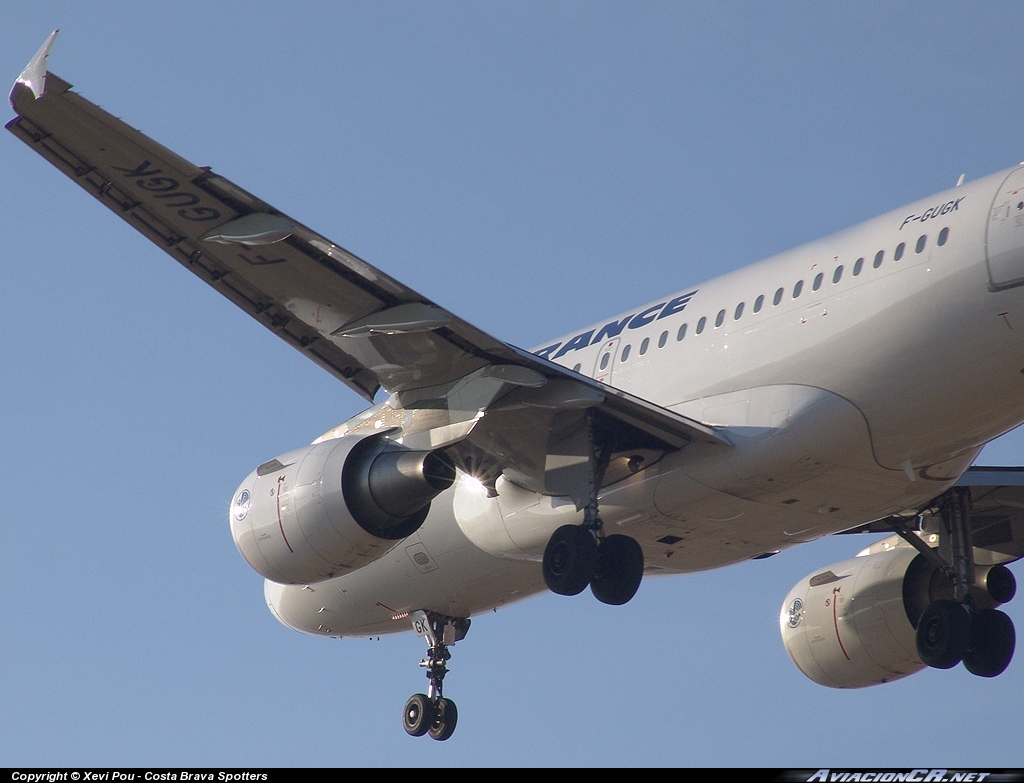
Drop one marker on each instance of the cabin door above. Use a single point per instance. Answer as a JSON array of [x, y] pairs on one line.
[[1005, 240]]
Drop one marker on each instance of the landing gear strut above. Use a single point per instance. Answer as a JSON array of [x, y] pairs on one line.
[[431, 713], [581, 555], [954, 630]]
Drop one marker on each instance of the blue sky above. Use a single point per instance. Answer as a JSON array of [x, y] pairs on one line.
[[533, 166]]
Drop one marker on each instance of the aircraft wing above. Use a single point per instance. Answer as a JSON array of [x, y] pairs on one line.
[[997, 511], [997, 515], [494, 406]]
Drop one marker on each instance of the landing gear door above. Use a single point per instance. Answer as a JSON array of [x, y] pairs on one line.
[[1005, 239], [606, 361]]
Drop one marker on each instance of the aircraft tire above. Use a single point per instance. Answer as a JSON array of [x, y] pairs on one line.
[[419, 715], [993, 640], [570, 559], [445, 718], [620, 567], [942, 634]]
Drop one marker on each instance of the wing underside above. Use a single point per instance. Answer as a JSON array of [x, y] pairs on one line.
[[996, 519], [494, 407]]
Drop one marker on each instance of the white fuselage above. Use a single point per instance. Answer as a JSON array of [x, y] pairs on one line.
[[850, 390]]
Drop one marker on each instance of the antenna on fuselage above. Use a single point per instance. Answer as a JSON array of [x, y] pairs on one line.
[[960, 181]]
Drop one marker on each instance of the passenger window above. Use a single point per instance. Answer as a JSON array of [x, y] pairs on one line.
[[663, 339], [798, 288], [943, 236], [899, 251], [817, 280], [739, 312], [837, 275], [857, 266], [778, 297], [681, 333], [720, 318], [878, 258], [625, 354], [700, 324], [644, 344], [758, 303], [604, 361], [921, 240]]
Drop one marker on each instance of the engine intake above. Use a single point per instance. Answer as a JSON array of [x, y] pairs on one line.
[[331, 508]]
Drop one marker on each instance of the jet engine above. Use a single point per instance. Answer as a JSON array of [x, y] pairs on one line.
[[853, 624], [333, 507]]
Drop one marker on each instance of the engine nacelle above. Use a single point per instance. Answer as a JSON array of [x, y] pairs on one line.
[[853, 624], [331, 508], [846, 626]]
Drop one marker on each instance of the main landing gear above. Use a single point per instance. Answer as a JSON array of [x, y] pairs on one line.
[[431, 713], [581, 555], [964, 627], [576, 556]]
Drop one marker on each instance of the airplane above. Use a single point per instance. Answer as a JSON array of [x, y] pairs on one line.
[[842, 387]]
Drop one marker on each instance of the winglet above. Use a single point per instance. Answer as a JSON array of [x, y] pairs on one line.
[[34, 75]]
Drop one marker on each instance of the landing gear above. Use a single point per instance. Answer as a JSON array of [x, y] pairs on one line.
[[570, 560], [942, 634], [620, 567], [951, 631], [575, 558], [993, 639], [431, 713], [419, 711], [445, 717], [581, 555]]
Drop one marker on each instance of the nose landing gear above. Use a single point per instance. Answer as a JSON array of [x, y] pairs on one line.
[[431, 713]]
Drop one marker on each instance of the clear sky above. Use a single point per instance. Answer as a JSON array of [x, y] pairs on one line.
[[533, 166]]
